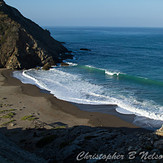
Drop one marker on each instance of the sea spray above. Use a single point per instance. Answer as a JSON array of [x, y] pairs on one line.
[[73, 88]]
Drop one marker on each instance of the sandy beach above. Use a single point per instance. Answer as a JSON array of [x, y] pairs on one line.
[[29, 100], [46, 129], [38, 127]]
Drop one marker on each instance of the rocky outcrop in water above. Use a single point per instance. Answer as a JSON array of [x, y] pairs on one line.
[[85, 49], [23, 44]]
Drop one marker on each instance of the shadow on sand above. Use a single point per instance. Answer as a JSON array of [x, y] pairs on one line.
[[63, 144]]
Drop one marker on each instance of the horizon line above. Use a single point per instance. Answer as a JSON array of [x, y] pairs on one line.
[[99, 26]]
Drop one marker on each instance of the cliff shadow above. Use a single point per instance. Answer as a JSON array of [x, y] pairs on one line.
[[83, 143]]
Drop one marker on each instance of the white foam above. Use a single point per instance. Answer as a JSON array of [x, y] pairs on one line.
[[112, 73], [72, 64], [68, 87], [74, 88], [146, 108], [37, 82], [23, 79], [123, 111], [91, 66]]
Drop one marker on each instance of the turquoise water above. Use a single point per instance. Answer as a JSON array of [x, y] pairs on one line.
[[124, 67]]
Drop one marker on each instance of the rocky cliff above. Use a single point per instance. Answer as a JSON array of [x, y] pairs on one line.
[[23, 44]]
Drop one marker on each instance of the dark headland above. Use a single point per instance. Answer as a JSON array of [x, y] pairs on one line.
[[24, 44], [38, 127]]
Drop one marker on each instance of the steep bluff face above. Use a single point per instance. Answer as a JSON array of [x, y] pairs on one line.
[[23, 44]]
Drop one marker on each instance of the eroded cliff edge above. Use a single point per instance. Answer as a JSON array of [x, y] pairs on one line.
[[24, 44]]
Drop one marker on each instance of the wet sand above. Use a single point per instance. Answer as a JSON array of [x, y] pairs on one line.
[[30, 100], [35, 126]]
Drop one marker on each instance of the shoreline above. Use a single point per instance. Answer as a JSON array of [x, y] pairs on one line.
[[138, 120], [109, 109], [45, 129], [81, 117]]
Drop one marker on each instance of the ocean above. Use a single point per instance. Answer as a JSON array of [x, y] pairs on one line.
[[124, 67]]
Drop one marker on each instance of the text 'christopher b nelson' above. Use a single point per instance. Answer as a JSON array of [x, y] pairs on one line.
[[116, 156]]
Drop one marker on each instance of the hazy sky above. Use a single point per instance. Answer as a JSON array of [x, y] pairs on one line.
[[116, 13]]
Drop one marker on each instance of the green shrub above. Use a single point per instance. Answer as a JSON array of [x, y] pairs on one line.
[[6, 123], [59, 127], [3, 111], [29, 118], [9, 115]]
